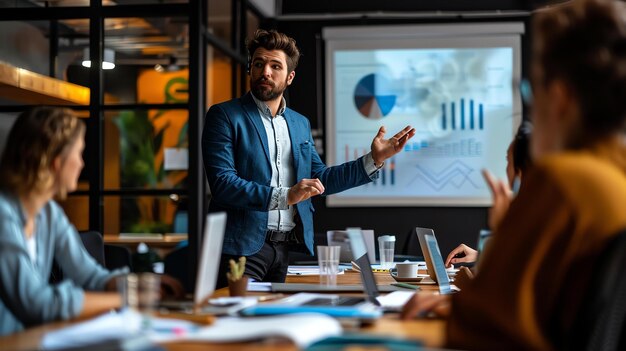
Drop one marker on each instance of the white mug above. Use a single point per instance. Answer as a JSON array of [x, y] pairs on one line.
[[406, 269]]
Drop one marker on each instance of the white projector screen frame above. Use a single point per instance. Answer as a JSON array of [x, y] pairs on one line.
[[441, 178]]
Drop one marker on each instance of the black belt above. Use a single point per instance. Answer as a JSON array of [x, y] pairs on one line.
[[278, 236]]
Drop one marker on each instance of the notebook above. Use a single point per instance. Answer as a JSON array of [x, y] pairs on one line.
[[367, 308]]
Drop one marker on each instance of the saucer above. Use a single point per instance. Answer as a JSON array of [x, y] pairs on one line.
[[420, 280]]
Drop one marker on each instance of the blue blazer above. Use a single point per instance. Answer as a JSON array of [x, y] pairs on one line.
[[237, 163]]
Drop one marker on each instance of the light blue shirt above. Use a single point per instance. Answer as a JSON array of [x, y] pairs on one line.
[[280, 215], [26, 297]]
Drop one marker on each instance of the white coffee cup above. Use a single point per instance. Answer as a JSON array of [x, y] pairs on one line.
[[406, 269]]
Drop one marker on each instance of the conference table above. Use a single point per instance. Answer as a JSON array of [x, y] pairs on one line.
[[430, 331]]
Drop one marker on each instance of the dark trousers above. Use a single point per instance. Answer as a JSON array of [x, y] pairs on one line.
[[268, 265]]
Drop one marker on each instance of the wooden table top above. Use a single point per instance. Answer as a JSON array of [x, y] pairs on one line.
[[430, 331], [167, 240]]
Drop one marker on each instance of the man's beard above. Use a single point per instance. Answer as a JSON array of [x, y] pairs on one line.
[[265, 94]]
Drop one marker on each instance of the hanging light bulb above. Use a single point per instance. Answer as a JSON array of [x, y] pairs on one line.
[[108, 61]]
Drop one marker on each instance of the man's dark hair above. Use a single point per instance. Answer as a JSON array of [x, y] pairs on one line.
[[521, 147], [583, 44], [273, 40]]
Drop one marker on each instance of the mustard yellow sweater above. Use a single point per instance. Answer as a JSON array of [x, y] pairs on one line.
[[534, 275]]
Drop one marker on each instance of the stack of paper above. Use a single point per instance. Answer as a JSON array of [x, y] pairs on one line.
[[303, 329]]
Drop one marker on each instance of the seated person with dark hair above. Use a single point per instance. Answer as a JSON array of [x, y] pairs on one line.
[[517, 162]]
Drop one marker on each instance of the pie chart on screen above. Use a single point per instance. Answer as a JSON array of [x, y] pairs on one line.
[[373, 97]]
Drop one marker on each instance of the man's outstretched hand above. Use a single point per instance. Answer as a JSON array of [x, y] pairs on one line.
[[382, 148]]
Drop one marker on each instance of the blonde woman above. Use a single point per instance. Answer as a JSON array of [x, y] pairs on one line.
[[42, 160]]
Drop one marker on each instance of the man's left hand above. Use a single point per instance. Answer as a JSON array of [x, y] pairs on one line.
[[382, 148]]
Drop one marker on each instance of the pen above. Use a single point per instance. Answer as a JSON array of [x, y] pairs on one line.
[[407, 286], [196, 317], [270, 297]]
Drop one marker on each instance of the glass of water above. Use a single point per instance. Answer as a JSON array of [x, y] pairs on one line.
[[386, 246], [328, 259]]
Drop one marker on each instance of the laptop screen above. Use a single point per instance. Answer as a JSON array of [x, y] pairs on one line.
[[421, 232], [437, 264], [434, 261], [340, 238], [359, 251], [483, 237], [208, 265]]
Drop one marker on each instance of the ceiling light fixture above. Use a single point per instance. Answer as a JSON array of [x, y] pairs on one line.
[[108, 61], [171, 66]]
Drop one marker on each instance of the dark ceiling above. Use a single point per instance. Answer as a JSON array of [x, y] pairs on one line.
[[292, 7]]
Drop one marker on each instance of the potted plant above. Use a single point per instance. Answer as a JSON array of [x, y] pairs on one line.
[[237, 282]]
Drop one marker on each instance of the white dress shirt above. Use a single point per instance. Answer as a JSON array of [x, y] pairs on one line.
[[280, 215]]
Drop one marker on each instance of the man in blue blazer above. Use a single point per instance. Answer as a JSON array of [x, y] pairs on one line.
[[263, 168]]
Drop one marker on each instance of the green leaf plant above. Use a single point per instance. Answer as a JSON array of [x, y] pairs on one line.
[[236, 269]]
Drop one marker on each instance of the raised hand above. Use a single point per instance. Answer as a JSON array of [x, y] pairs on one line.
[[502, 197], [303, 190], [382, 148]]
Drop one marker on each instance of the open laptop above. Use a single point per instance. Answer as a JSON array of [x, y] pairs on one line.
[[484, 235], [340, 238], [364, 308], [434, 261], [208, 264], [362, 245]]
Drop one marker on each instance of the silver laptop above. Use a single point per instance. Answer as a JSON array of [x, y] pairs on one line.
[[484, 235], [434, 261], [208, 265], [340, 238]]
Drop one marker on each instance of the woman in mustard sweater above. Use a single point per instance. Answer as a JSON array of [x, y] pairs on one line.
[[531, 282]]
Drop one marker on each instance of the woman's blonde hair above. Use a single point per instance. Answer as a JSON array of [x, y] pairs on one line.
[[37, 138]]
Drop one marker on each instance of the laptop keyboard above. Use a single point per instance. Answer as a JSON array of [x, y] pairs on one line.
[[338, 301]]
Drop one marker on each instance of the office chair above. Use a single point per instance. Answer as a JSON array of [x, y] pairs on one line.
[[176, 266], [299, 255], [94, 244], [409, 247], [600, 326], [117, 257], [109, 256]]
